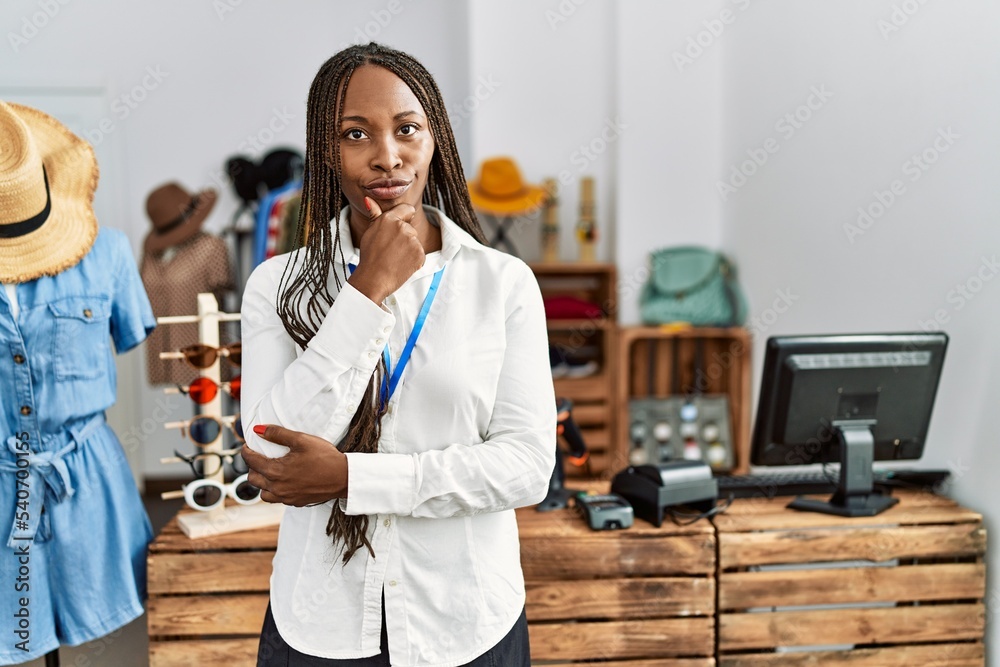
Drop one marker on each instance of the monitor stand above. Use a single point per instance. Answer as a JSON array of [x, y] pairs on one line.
[[855, 494]]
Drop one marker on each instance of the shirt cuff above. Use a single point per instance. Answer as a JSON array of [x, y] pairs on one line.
[[355, 331], [379, 483]]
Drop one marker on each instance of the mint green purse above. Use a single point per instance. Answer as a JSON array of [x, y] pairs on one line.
[[692, 284]]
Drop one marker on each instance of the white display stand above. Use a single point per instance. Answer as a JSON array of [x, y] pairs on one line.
[[227, 518]]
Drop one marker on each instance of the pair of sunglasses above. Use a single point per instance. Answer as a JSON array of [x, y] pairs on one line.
[[207, 494], [204, 390], [206, 430], [202, 356], [206, 464]]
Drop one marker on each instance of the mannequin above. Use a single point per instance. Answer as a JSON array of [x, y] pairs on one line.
[[178, 262], [75, 550]]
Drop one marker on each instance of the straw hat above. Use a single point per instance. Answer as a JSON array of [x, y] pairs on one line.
[[500, 190], [48, 176], [176, 215]]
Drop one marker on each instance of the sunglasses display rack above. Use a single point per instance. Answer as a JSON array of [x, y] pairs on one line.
[[226, 517]]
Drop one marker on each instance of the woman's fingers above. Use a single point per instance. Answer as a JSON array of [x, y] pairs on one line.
[[279, 434], [394, 250], [313, 472], [257, 479], [404, 212]]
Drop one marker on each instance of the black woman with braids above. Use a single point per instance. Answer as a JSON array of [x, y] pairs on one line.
[[396, 376]]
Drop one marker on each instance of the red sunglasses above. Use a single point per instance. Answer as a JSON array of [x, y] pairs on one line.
[[203, 390]]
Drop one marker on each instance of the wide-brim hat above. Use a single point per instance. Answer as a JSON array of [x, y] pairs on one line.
[[176, 215], [48, 176], [500, 190]]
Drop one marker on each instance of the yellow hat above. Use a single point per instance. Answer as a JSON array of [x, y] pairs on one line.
[[500, 190], [48, 176]]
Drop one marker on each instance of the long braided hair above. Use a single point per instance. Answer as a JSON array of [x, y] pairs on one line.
[[303, 296]]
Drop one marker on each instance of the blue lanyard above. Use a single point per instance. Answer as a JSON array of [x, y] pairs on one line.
[[389, 386]]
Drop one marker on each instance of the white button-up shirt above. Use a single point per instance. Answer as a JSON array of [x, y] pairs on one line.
[[468, 436]]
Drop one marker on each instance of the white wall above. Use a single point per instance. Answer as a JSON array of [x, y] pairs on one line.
[[550, 105], [669, 155]]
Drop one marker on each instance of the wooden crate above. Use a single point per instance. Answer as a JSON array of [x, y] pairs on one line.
[[593, 396], [905, 587], [207, 597], [726, 360], [641, 597]]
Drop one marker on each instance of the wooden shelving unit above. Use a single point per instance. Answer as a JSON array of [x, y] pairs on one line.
[[593, 396]]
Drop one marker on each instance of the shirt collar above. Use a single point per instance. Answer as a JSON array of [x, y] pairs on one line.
[[453, 238]]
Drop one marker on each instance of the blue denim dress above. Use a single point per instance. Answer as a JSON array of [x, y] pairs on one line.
[[73, 529]]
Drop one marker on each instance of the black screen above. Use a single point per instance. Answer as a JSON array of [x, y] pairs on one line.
[[812, 384]]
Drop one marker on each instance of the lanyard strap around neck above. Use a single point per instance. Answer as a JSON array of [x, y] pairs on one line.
[[389, 385]]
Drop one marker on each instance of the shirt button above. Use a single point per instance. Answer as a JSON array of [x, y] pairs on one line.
[[387, 330], [87, 312], [392, 583], [387, 523], [379, 341], [26, 410], [392, 301], [371, 355], [18, 358]]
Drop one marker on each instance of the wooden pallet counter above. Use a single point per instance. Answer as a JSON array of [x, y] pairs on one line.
[[643, 597], [904, 587], [640, 597]]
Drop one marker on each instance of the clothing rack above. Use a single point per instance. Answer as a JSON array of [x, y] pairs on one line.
[[222, 519]]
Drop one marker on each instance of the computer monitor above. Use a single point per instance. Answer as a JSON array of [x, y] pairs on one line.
[[852, 399]]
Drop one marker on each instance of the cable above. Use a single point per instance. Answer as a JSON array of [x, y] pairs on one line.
[[694, 517]]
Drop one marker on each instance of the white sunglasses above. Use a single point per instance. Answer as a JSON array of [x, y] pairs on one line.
[[207, 494]]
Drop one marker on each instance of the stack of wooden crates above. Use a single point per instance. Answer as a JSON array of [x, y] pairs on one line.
[[593, 396]]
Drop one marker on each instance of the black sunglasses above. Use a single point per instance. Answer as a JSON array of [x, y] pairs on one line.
[[209, 463]]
